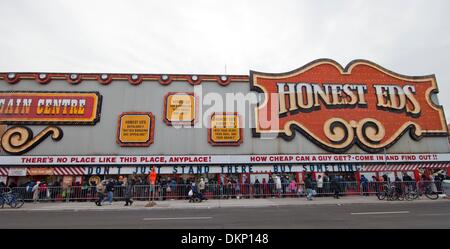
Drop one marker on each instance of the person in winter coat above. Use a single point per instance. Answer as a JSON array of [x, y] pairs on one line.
[[284, 184], [278, 185], [319, 185], [237, 189], [398, 185], [2, 187], [309, 188], [100, 193], [110, 190], [265, 187], [335, 186], [364, 185], [43, 190], [386, 179], [257, 188], [201, 186], [35, 191], [293, 187], [129, 185], [271, 184]]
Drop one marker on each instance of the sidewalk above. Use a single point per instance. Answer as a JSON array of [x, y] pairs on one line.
[[214, 203]]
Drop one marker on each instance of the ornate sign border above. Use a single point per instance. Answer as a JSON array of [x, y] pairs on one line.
[[360, 138]]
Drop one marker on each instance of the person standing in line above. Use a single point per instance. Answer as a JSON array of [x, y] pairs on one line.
[[256, 187], [284, 184], [110, 190], [237, 189], [278, 186], [35, 191], [385, 179], [309, 188], [335, 186], [229, 190], [2, 187], [265, 188], [129, 185], [100, 193], [364, 185], [319, 185], [293, 187], [271, 184], [201, 186], [408, 182], [398, 185], [43, 190]]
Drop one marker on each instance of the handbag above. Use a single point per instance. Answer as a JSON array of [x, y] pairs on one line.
[[314, 192], [190, 193]]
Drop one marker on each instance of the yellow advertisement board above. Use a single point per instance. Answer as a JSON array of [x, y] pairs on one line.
[[225, 129], [135, 129], [180, 108]]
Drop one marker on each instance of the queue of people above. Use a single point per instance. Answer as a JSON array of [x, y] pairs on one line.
[[274, 186]]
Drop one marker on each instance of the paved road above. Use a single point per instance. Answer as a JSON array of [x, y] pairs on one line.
[[383, 215]]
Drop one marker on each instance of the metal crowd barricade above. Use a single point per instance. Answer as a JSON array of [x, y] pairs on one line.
[[4, 190], [172, 191], [23, 193]]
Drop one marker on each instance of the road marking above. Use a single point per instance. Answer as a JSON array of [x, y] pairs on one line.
[[395, 212], [179, 218], [441, 214]]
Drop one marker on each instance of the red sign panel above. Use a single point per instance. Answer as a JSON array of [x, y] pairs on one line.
[[336, 107], [50, 107]]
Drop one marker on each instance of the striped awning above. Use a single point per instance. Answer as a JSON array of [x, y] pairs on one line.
[[402, 166], [3, 171], [68, 171]]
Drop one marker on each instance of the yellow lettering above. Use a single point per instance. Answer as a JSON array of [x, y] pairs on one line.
[[40, 109], [81, 106]]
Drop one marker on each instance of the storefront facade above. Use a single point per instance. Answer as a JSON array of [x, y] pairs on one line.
[[318, 119]]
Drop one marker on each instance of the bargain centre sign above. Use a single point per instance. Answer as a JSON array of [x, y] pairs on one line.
[[49, 107]]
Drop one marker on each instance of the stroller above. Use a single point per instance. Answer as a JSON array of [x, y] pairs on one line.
[[195, 196]]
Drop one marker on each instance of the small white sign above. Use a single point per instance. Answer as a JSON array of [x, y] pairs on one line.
[[17, 172]]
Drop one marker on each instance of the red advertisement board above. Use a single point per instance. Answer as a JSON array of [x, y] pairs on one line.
[[50, 107]]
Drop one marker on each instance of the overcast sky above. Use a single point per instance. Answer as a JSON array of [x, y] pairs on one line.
[[201, 37]]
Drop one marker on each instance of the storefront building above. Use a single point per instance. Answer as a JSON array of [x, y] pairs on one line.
[[319, 119]]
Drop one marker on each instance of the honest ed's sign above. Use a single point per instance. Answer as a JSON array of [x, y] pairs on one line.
[[336, 107]]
